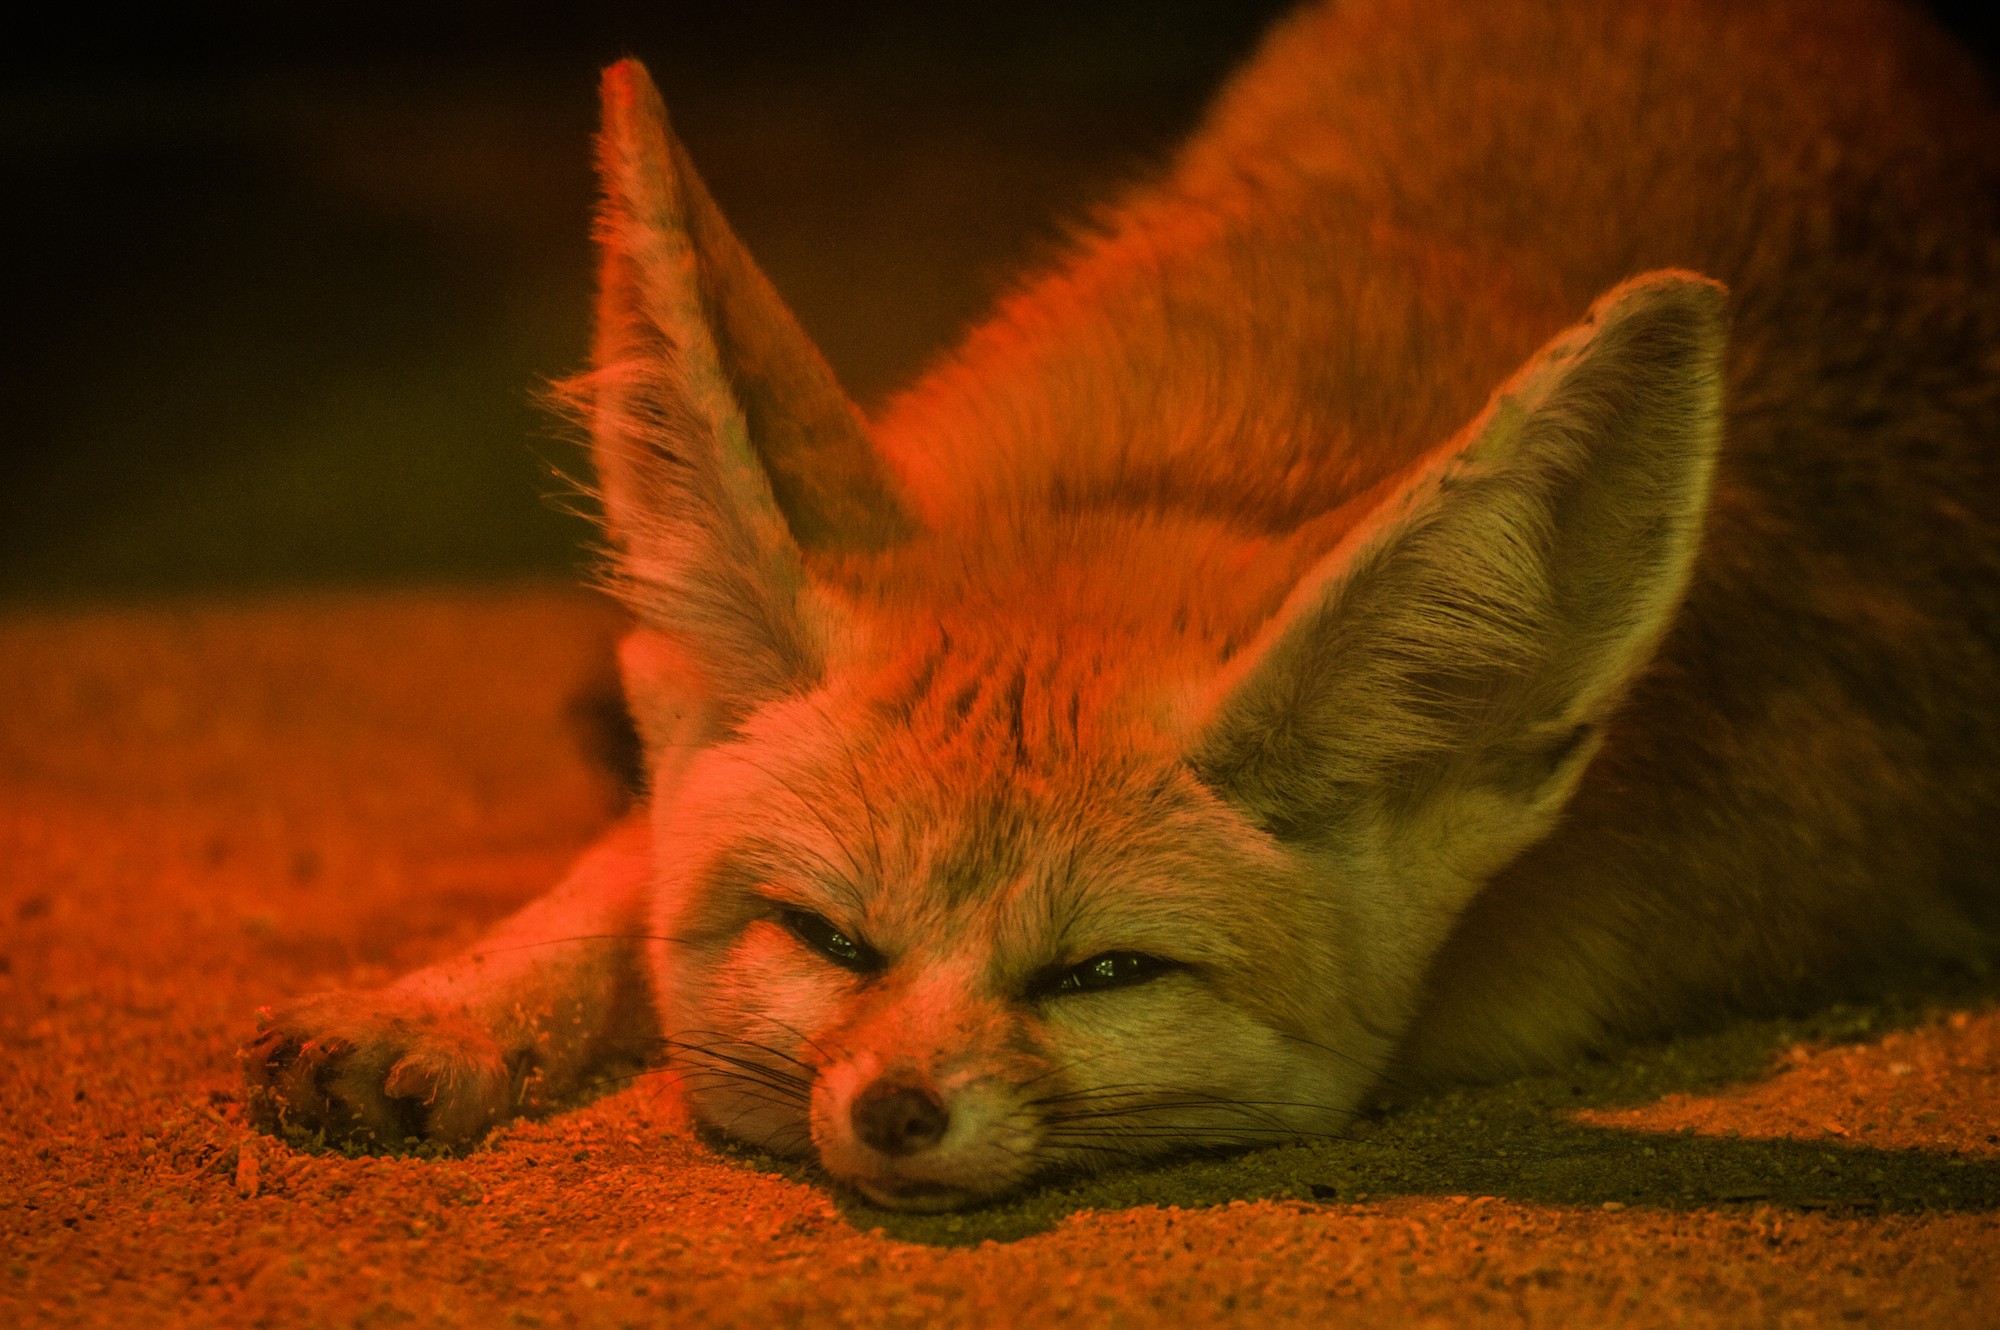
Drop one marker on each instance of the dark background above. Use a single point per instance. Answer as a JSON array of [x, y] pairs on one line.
[[283, 288]]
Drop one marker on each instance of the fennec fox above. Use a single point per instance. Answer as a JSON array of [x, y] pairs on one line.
[[1493, 554]]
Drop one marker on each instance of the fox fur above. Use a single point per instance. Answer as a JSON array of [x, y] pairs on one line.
[[1494, 553]]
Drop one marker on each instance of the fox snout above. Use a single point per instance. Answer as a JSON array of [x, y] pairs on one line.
[[921, 1106]]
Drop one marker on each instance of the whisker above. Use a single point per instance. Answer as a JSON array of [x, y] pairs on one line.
[[715, 1037], [778, 1084], [759, 1101], [1186, 1099], [707, 1076], [746, 1070], [805, 1039], [1139, 1110], [1097, 1093], [1339, 1055]]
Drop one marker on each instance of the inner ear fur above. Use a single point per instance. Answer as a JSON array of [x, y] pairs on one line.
[[1467, 643], [725, 450]]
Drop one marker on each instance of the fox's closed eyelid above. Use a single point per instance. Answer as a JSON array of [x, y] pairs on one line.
[[1103, 971], [842, 946]]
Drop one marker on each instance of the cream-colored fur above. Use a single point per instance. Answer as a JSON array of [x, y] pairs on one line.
[[1492, 555]]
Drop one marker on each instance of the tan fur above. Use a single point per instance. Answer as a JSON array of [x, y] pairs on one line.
[[1493, 555]]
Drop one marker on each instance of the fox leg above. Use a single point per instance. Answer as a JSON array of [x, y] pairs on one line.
[[444, 1053]]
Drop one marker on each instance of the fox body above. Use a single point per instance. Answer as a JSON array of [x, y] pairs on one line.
[[1493, 554]]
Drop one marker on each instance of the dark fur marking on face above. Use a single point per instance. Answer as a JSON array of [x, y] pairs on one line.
[[960, 705], [1014, 701], [904, 697]]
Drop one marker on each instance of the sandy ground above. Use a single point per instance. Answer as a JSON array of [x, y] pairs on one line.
[[208, 807]]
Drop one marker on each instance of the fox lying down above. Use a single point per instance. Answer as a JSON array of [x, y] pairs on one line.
[[1495, 553]]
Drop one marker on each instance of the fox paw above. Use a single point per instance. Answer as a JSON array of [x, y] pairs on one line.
[[375, 1069]]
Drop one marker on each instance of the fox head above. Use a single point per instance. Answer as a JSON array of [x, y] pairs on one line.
[[999, 838]]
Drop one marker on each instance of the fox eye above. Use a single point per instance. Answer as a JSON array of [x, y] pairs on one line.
[[1114, 969], [844, 950]]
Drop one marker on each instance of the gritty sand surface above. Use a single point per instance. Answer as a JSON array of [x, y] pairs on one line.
[[205, 808]]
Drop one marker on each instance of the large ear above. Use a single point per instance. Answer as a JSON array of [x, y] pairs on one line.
[[725, 450], [1448, 668]]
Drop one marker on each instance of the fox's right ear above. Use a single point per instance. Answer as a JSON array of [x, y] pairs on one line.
[[726, 452], [1442, 678]]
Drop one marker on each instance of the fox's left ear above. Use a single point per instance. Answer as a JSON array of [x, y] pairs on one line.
[[1447, 670], [725, 450]]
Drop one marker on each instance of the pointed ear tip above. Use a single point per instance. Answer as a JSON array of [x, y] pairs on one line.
[[1669, 291], [624, 83], [626, 73]]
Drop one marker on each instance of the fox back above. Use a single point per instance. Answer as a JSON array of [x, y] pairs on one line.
[[1492, 553]]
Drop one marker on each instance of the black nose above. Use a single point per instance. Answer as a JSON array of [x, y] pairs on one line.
[[898, 1119]]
